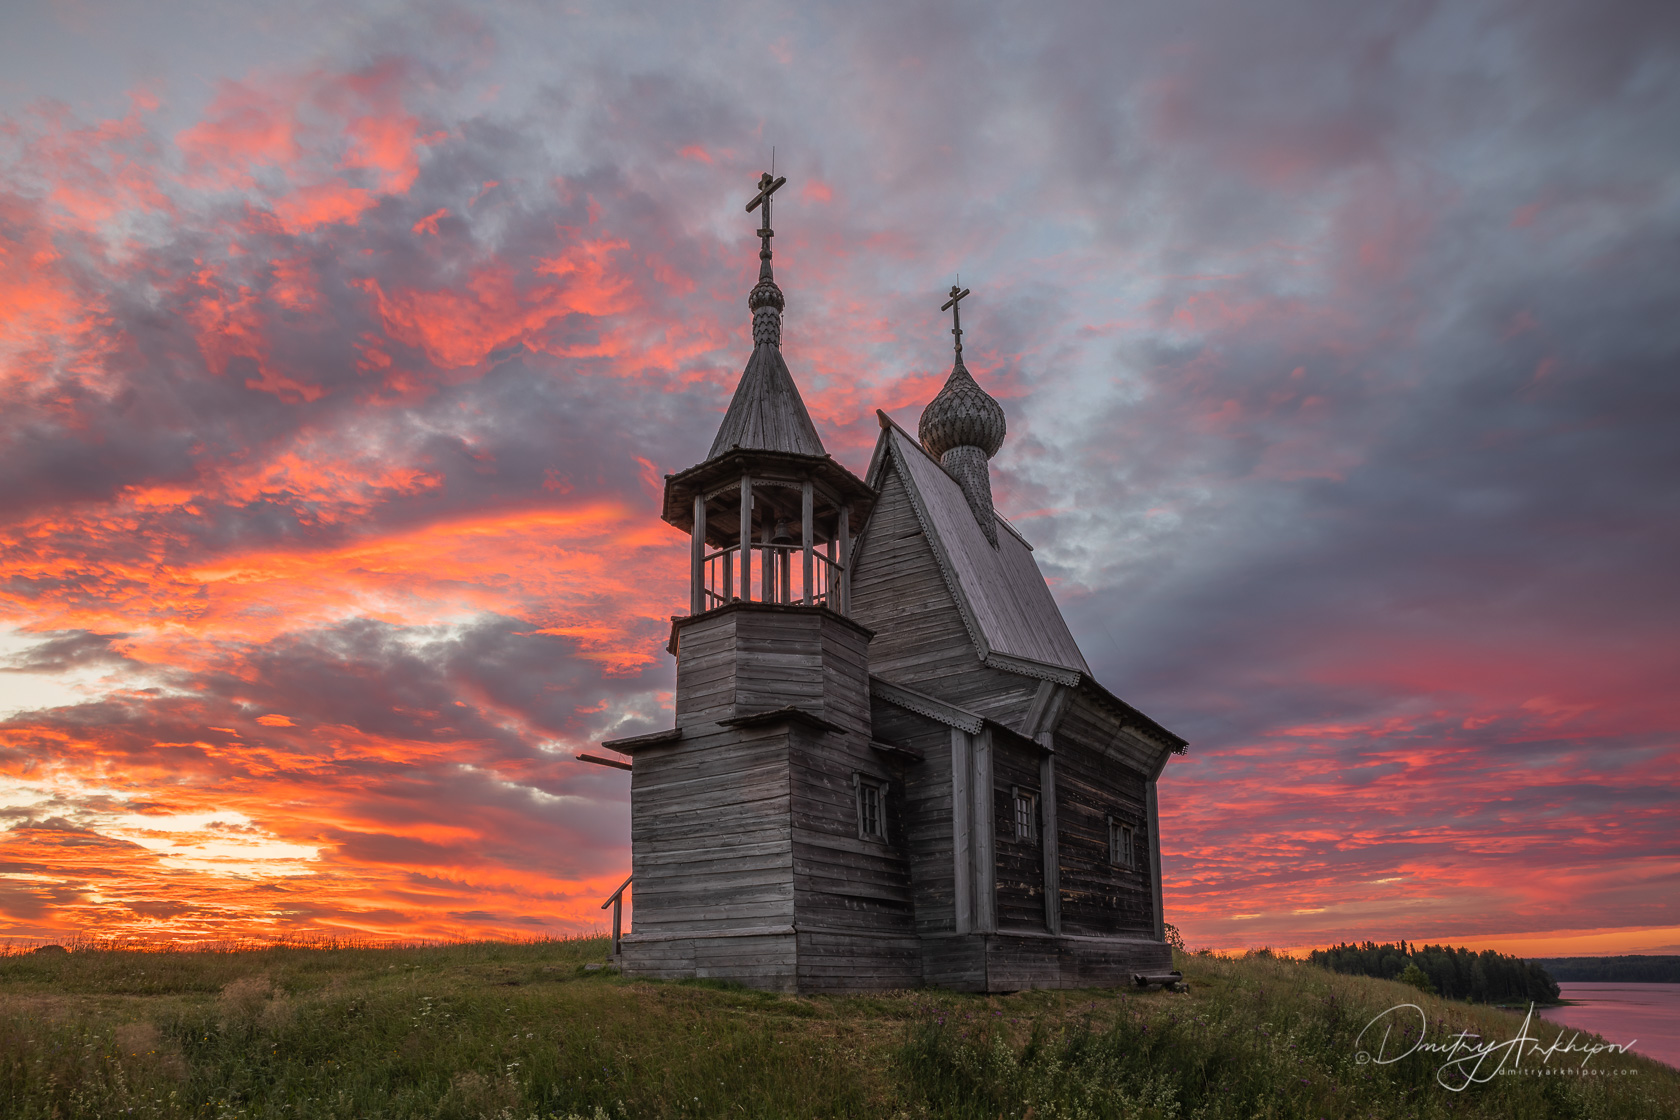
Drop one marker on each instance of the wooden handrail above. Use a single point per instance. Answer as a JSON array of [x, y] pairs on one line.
[[617, 904], [614, 897]]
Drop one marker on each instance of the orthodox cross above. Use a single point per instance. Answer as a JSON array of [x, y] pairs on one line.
[[767, 186], [956, 314]]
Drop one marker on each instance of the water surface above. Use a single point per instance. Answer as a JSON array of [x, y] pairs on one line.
[[1646, 1014]]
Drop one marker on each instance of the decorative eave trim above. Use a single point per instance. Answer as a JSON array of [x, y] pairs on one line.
[[1029, 667], [789, 714], [1134, 722], [636, 742], [677, 508], [924, 705]]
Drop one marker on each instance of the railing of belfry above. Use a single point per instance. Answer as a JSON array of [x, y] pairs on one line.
[[778, 576], [617, 904]]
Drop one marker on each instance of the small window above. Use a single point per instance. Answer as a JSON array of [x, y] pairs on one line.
[[1122, 844], [1025, 806], [871, 808]]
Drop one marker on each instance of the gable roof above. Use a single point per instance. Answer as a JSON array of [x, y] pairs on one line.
[[1004, 601], [767, 412]]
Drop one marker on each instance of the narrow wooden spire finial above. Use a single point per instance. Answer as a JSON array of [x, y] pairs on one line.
[[765, 300]]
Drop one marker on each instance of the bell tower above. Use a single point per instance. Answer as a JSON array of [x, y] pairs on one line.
[[734, 811], [771, 518], [771, 514]]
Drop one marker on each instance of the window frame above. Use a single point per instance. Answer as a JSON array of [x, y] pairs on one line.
[[865, 788], [1018, 796], [1122, 843]]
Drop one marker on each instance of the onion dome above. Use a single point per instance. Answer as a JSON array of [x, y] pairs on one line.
[[963, 428], [962, 415]]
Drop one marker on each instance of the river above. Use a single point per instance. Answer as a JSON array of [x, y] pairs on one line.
[[1647, 1014]]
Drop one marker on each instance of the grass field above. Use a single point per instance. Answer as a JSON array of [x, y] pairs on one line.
[[512, 1031]]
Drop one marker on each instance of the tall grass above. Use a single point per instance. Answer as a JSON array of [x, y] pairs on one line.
[[511, 1031], [1258, 1037]]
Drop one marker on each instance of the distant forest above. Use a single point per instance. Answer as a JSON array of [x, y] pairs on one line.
[[1485, 977], [1623, 970]]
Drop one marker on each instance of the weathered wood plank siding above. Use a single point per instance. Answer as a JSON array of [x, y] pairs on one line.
[[898, 591], [927, 814], [1015, 961], [956, 961], [712, 853], [1098, 897], [852, 892], [840, 880], [857, 961], [921, 639], [711, 838], [1020, 862], [845, 654], [706, 669], [766, 961], [778, 660], [757, 657], [1003, 590]]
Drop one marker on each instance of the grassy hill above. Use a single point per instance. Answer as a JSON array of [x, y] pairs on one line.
[[512, 1031]]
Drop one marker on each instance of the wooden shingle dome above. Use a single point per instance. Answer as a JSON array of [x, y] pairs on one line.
[[962, 415]]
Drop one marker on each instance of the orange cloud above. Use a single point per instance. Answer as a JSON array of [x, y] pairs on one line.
[[499, 305]]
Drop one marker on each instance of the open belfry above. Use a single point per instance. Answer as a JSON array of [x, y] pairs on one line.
[[891, 765]]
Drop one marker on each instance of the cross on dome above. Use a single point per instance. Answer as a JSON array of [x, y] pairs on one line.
[[956, 314], [765, 300], [767, 186]]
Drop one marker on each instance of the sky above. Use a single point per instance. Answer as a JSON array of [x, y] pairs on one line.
[[343, 350]]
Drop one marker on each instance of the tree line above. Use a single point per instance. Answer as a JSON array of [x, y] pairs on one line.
[[1484, 977], [1623, 970]]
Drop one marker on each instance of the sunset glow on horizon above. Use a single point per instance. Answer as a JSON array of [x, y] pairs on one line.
[[341, 368]]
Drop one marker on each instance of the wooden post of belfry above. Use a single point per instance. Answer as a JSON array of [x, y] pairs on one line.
[[697, 558], [807, 511], [845, 558], [831, 592], [746, 538]]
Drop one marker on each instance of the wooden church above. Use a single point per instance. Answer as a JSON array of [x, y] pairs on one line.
[[891, 765]]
